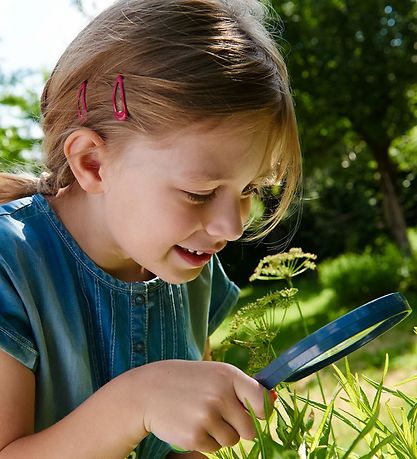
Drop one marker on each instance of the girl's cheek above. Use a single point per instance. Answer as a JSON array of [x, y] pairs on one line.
[[189, 221]]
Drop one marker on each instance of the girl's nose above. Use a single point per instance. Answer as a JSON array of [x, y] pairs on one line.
[[226, 219]]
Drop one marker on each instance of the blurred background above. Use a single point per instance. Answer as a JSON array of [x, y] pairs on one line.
[[353, 68]]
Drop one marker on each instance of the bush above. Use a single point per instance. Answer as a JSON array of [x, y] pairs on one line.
[[361, 277], [410, 281]]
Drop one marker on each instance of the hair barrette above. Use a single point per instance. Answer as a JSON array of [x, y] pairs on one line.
[[119, 114], [82, 101]]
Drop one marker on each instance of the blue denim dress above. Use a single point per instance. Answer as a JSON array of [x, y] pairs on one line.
[[77, 327]]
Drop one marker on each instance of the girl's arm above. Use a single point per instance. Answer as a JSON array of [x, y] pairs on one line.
[[198, 406], [99, 428]]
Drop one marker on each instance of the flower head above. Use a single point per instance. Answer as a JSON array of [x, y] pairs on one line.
[[284, 265]]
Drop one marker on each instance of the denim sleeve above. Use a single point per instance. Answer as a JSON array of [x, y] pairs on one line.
[[15, 329], [224, 296]]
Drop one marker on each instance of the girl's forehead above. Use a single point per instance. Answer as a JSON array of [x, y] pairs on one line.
[[228, 133], [203, 151]]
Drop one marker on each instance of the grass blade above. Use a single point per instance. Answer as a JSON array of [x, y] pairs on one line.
[[369, 425], [326, 418], [259, 432], [378, 447]]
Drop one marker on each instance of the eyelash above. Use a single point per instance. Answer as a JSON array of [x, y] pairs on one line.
[[201, 198]]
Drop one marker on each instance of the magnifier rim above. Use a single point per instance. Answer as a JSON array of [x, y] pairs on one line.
[[386, 311]]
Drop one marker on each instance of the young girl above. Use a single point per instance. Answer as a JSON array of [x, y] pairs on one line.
[[160, 120]]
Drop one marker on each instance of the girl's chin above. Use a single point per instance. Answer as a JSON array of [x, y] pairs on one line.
[[178, 267], [180, 278]]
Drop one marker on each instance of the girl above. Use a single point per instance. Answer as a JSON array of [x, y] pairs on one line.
[[160, 120]]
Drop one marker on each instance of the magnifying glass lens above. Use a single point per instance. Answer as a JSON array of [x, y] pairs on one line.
[[340, 347]]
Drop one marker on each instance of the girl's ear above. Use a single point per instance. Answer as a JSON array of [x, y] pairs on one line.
[[83, 149]]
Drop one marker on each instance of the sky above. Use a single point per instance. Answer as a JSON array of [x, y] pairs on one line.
[[34, 33]]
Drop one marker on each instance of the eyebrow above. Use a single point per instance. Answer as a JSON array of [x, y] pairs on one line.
[[215, 177], [208, 177], [203, 177]]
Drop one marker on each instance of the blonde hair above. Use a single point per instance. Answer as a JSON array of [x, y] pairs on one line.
[[182, 61]]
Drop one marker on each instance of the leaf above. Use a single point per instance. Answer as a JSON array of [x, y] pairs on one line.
[[324, 440], [405, 381], [397, 393], [403, 442], [297, 424], [326, 418], [336, 413], [378, 447], [258, 428], [369, 425], [254, 452]]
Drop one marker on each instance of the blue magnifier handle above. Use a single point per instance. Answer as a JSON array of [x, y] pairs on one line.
[[336, 340]]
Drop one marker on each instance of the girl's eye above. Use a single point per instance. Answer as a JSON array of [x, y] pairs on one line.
[[200, 197]]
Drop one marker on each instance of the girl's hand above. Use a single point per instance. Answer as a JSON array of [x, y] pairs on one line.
[[199, 405]]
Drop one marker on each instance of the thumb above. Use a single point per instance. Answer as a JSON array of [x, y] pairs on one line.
[[252, 394]]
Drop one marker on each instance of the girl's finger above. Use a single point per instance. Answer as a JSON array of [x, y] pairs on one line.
[[209, 445], [248, 390], [237, 416], [205, 443], [224, 433]]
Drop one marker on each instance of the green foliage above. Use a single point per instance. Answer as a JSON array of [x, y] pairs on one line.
[[353, 65], [20, 135], [404, 152], [352, 62], [256, 325], [300, 427], [356, 277], [342, 208]]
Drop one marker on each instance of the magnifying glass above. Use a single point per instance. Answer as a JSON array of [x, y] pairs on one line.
[[336, 340]]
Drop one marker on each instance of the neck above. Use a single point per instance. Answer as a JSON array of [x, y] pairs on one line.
[[81, 215]]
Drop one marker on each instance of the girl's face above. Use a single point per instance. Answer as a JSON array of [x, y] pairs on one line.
[[189, 190]]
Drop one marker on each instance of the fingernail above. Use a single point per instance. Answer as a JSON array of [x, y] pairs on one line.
[[274, 394]]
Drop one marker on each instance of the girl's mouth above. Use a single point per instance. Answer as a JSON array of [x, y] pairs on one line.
[[194, 258]]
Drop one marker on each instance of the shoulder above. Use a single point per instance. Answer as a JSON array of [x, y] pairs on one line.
[[19, 263], [13, 214], [16, 215], [22, 229]]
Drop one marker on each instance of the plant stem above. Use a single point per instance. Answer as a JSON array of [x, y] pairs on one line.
[[306, 332]]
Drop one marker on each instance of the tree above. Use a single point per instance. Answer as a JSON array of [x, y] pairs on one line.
[[353, 65]]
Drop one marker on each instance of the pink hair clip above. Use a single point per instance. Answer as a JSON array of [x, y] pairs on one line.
[[82, 101], [120, 115]]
